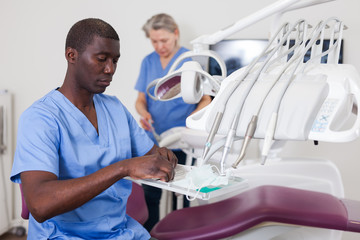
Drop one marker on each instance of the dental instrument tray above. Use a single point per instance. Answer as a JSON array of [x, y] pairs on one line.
[[234, 184]]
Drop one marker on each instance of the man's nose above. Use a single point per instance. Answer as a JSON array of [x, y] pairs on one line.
[[110, 67]]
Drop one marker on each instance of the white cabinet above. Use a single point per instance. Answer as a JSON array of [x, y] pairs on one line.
[[4, 206], [9, 198], [5, 161]]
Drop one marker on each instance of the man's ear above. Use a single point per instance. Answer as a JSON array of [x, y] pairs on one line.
[[71, 54]]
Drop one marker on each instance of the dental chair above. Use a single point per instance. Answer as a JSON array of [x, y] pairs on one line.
[[135, 208], [263, 204]]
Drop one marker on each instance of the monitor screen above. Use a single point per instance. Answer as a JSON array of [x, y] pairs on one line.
[[238, 53], [325, 47]]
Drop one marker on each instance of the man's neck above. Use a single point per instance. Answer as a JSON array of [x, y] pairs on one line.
[[81, 99]]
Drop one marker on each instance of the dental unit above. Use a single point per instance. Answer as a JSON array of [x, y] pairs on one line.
[[278, 97]]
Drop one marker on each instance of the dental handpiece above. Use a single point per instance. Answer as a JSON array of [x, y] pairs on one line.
[[228, 144], [269, 137], [219, 114], [270, 132], [213, 131], [248, 135]]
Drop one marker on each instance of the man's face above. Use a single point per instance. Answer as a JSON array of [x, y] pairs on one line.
[[96, 66]]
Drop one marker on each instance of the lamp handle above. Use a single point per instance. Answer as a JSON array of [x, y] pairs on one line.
[[206, 53]]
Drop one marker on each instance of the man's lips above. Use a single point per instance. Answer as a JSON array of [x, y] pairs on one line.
[[105, 82]]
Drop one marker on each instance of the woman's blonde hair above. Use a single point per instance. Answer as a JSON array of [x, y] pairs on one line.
[[160, 21]]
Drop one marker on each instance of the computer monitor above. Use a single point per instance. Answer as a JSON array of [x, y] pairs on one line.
[[238, 53]]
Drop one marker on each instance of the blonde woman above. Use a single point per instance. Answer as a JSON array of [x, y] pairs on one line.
[[163, 33]]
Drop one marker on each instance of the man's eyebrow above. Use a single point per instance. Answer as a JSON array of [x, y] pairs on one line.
[[107, 53]]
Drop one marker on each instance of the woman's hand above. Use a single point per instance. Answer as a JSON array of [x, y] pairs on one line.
[[145, 121]]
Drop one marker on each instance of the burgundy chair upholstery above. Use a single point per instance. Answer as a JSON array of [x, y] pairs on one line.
[[265, 203], [136, 207], [24, 209]]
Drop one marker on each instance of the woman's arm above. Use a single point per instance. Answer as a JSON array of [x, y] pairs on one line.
[[204, 101], [141, 108]]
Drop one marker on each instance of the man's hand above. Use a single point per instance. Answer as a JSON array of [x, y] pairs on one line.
[[159, 163]]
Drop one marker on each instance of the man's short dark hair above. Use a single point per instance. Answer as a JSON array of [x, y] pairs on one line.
[[82, 33]]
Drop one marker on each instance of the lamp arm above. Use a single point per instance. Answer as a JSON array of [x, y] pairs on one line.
[[304, 4], [279, 6]]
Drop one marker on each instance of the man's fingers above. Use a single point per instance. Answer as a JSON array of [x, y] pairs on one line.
[[168, 175], [170, 156], [169, 170]]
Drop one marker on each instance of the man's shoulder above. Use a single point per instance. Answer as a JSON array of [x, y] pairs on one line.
[[42, 103]]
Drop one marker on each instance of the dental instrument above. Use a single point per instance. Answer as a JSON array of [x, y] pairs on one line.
[[268, 139], [152, 129], [273, 117], [298, 55], [253, 122], [234, 87]]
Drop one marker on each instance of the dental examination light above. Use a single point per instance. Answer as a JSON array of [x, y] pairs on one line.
[[190, 81], [200, 53]]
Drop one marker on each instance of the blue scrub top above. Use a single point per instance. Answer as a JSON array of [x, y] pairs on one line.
[[165, 114], [55, 136]]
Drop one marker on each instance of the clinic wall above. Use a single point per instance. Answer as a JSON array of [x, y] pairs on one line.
[[33, 35]]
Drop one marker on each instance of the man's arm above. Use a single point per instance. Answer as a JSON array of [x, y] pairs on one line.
[[46, 196]]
